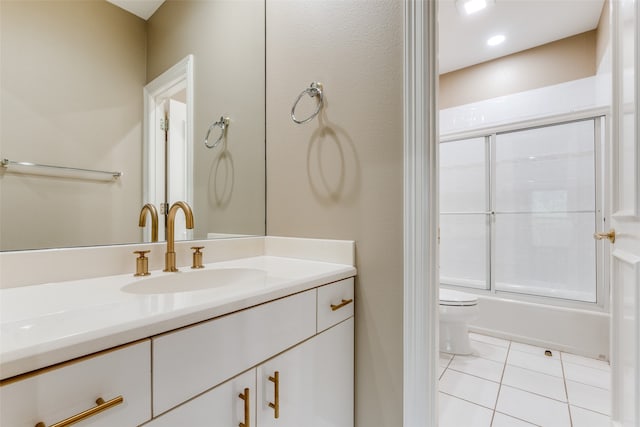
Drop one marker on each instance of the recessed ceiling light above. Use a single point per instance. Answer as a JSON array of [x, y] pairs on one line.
[[496, 40], [467, 7]]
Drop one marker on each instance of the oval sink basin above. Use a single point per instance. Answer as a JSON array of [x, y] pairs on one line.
[[197, 280]]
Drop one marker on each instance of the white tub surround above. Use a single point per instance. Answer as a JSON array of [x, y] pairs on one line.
[[582, 332], [45, 324], [590, 93]]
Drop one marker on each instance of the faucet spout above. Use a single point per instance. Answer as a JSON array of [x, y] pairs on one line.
[[170, 256], [142, 222]]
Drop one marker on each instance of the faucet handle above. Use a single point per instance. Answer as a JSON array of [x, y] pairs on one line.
[[142, 263], [197, 257]]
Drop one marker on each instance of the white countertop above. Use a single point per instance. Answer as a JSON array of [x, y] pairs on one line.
[[41, 325]]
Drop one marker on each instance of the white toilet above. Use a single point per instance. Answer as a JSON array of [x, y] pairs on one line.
[[456, 310]]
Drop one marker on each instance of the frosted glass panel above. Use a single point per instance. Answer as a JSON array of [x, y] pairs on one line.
[[546, 254], [463, 250], [463, 176], [549, 169]]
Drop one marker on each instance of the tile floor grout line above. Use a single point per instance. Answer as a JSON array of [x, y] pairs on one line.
[[504, 368], [510, 350], [473, 375], [535, 394], [587, 384], [587, 366], [517, 418], [463, 399], [589, 409], [566, 390]]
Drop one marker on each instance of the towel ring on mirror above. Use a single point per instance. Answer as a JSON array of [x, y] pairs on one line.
[[315, 89], [223, 123]]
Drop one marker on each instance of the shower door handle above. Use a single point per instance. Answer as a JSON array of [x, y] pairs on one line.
[[611, 235]]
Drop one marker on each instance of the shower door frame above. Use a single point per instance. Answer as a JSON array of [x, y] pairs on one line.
[[600, 116]]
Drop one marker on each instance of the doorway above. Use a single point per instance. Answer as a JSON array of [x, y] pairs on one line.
[[168, 145], [421, 209]]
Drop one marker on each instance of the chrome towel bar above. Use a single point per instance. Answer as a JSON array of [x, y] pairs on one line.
[[61, 169]]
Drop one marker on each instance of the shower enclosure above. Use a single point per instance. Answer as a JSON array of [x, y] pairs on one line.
[[519, 206]]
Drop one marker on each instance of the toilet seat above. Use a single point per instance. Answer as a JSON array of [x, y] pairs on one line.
[[457, 299]]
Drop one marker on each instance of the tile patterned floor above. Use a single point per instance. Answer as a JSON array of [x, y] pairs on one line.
[[509, 384]]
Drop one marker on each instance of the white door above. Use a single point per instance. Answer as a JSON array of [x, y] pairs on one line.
[[625, 218], [314, 383], [177, 164]]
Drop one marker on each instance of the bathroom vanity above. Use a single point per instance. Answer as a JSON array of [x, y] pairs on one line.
[[269, 344]]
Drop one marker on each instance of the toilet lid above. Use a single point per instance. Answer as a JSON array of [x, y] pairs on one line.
[[449, 297]]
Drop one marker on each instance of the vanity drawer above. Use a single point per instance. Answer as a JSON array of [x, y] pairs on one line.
[[335, 303], [58, 393], [194, 359]]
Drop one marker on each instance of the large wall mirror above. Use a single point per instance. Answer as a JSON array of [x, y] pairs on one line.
[[72, 77]]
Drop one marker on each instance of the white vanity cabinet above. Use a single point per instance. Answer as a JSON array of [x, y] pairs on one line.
[[313, 361], [223, 372], [194, 359], [121, 377], [315, 383], [220, 407]]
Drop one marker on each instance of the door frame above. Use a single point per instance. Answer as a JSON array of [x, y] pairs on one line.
[[420, 218], [181, 72]]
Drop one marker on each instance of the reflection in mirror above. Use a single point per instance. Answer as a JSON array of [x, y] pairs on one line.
[[72, 78]]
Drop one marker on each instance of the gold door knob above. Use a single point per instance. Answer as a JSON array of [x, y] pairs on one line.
[[611, 235]]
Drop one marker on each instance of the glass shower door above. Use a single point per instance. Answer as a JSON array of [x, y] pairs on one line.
[[464, 218], [545, 211]]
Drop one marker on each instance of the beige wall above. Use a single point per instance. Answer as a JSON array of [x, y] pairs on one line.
[[341, 176], [227, 41], [63, 108], [557, 62], [603, 37]]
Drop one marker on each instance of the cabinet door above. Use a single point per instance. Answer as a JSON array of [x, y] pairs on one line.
[[315, 381], [219, 407]]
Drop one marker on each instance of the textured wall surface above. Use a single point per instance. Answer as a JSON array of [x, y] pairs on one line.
[[557, 62], [340, 175]]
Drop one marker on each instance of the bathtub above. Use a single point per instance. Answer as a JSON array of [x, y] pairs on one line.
[[577, 331]]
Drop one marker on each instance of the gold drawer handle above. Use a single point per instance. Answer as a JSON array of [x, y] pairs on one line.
[[275, 405], [102, 406], [344, 302], [245, 396]]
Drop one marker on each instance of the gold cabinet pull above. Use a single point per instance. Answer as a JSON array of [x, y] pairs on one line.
[[275, 379], [247, 415], [344, 302], [102, 406], [611, 235]]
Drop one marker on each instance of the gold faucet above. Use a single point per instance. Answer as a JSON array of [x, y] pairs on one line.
[[154, 220], [170, 256]]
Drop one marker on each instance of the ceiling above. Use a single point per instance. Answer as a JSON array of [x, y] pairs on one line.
[[142, 8], [525, 23]]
